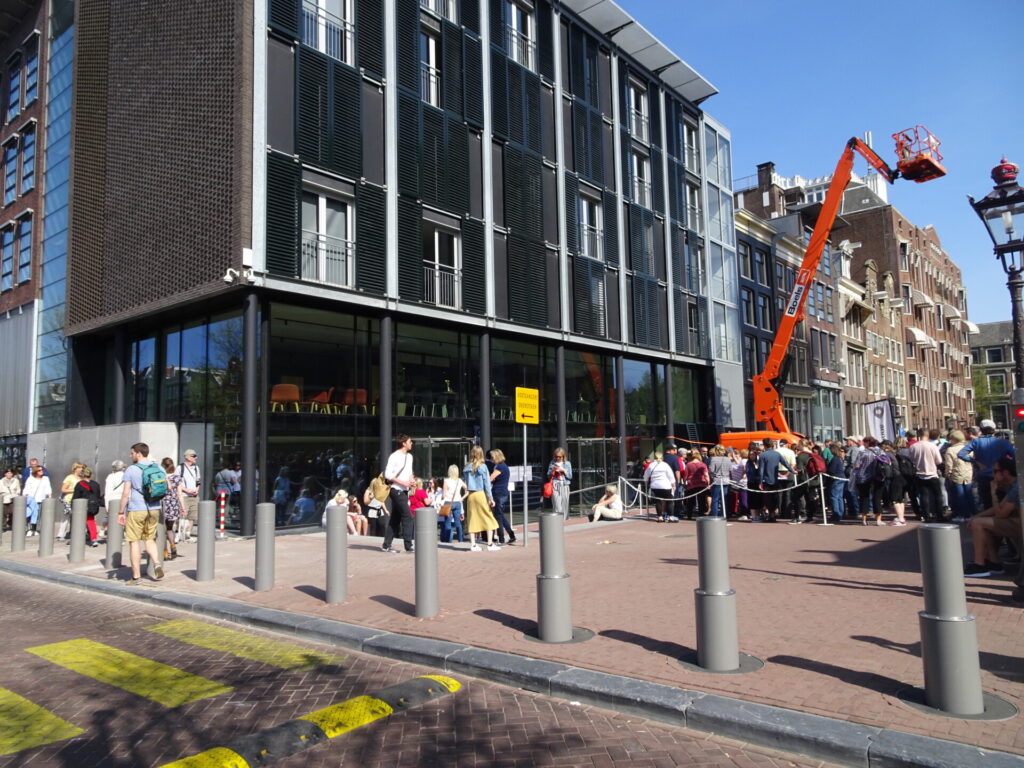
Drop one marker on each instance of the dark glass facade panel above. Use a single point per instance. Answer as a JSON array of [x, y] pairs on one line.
[[437, 381], [532, 366], [591, 420], [645, 399], [144, 379]]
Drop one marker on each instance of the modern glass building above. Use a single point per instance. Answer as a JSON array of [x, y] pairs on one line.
[[347, 219]]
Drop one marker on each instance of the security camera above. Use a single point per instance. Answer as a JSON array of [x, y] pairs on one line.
[[231, 275]]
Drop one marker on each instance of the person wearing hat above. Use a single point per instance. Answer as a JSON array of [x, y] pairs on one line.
[[984, 452], [191, 480]]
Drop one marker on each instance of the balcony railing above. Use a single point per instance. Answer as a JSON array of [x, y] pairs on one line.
[[327, 259], [444, 8], [591, 242], [326, 32], [430, 84], [638, 125], [441, 285], [520, 47]]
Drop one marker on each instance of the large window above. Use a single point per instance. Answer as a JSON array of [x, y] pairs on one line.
[[692, 148], [694, 209], [25, 249], [640, 177], [430, 70], [994, 355], [443, 8], [997, 383], [764, 311], [520, 45], [591, 228], [327, 247], [746, 269], [31, 70], [747, 297], [327, 26], [7, 257], [442, 277], [28, 158], [12, 84], [10, 158], [638, 111]]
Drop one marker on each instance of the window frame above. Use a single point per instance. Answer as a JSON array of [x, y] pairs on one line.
[[988, 355], [27, 131], [520, 34], [590, 242], [7, 260], [23, 248], [638, 109], [319, 24], [10, 169], [323, 239], [430, 68], [434, 270]]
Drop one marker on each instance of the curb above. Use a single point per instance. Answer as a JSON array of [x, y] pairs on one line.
[[835, 741]]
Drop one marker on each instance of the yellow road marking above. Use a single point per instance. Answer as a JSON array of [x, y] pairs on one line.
[[155, 681], [450, 683], [218, 757], [348, 715], [278, 653], [24, 725]]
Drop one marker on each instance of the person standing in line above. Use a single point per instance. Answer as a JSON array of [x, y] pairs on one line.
[[787, 479], [560, 473], [927, 458], [140, 515], [453, 492], [479, 501], [191, 480], [770, 462], [399, 475], [984, 452], [67, 491], [959, 478], [661, 480], [37, 489], [895, 487], [10, 486], [671, 458], [869, 488], [90, 490], [697, 481], [111, 490], [755, 499], [173, 507], [500, 474], [737, 497], [839, 481], [719, 469]]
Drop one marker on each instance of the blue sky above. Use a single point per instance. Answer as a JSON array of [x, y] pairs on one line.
[[796, 79]]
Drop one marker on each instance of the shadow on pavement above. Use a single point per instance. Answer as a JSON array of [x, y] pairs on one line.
[[869, 680], [526, 626], [396, 604], [246, 581], [318, 593], [663, 647], [1007, 667]]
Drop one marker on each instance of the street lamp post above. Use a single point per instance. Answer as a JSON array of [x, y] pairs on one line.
[[1002, 213]]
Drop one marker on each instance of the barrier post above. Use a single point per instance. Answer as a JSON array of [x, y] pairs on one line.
[[115, 535], [554, 604], [206, 541], [337, 554], [821, 492], [18, 523], [223, 496], [426, 562], [717, 637], [79, 509], [47, 508], [949, 638], [264, 546]]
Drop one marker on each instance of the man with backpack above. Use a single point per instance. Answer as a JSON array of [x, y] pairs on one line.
[[145, 485], [927, 458]]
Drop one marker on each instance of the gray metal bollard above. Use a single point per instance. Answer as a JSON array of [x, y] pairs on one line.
[[79, 510], [717, 636], [161, 539], [115, 535], [47, 510], [426, 562], [18, 523], [207, 537], [264, 547], [337, 554], [554, 600], [949, 638]]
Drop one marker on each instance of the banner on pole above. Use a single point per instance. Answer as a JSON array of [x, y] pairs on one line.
[[878, 417]]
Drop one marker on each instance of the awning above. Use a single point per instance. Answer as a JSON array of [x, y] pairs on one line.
[[950, 311], [922, 299], [860, 305], [971, 327], [920, 337]]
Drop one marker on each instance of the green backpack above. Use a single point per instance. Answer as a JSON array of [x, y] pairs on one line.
[[154, 482]]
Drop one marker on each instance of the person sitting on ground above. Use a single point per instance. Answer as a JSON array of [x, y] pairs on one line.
[[609, 507], [357, 518], [1002, 520], [304, 511]]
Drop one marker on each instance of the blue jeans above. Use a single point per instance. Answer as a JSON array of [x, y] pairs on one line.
[[452, 522], [961, 498], [838, 503], [718, 500], [500, 509]]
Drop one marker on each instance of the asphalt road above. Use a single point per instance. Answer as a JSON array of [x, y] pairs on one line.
[[89, 680]]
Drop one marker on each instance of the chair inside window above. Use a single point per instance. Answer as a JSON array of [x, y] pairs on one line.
[[322, 403], [284, 397]]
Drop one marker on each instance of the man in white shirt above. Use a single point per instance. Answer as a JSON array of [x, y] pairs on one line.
[[787, 480], [191, 479], [398, 474], [926, 456]]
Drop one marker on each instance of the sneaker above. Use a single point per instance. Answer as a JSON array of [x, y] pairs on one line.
[[743, 518], [756, 520], [133, 583], [879, 521], [158, 572], [958, 519], [994, 568], [673, 519], [493, 548], [393, 551], [94, 544], [798, 521], [897, 523], [475, 548], [976, 571]]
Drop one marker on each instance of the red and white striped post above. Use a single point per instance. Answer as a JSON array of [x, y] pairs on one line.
[[222, 499]]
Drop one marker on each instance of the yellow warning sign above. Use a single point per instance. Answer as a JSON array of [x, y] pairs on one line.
[[527, 405]]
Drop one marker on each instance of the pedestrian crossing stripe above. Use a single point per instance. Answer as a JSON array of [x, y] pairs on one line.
[[277, 653], [266, 746], [157, 682], [24, 725]]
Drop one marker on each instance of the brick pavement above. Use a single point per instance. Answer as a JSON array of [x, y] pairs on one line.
[[832, 610], [484, 724]]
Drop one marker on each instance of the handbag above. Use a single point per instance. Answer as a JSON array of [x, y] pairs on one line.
[[445, 510], [549, 489]]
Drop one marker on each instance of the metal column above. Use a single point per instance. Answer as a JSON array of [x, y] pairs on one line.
[[426, 563], [264, 547], [717, 637], [47, 509], [207, 537], [563, 437], [250, 414], [79, 509], [18, 523], [485, 390], [387, 386], [554, 602], [337, 554]]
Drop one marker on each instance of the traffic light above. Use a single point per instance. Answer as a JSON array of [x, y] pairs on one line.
[[1018, 420]]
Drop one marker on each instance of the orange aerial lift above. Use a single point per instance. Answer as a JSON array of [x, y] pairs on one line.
[[918, 159]]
